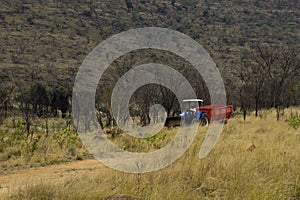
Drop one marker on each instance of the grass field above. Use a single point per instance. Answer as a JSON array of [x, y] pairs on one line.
[[256, 159]]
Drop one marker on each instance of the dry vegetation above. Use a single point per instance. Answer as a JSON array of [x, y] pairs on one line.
[[39, 147], [42, 44], [256, 159]]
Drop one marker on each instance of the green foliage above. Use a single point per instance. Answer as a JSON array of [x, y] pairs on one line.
[[52, 28], [191, 3], [2, 16], [64, 136], [173, 2], [37, 148], [157, 137], [297, 192], [87, 13], [31, 18], [294, 120], [129, 4], [2, 142], [30, 146], [15, 58]]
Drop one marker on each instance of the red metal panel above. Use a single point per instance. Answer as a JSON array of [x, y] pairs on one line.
[[216, 113]]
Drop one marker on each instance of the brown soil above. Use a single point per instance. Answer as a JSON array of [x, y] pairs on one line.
[[51, 173]]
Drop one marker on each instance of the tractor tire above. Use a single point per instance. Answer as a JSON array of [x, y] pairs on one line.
[[204, 120]]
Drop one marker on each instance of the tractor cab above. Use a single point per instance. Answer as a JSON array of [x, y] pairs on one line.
[[192, 112]]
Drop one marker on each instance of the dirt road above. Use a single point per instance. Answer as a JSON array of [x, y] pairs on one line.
[[52, 173]]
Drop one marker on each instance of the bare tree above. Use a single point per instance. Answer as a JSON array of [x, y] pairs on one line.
[[268, 75], [6, 99], [287, 67], [263, 58]]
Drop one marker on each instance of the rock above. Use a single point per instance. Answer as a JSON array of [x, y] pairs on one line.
[[250, 147]]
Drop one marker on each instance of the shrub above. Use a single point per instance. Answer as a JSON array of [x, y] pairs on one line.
[[2, 16], [294, 120], [30, 19]]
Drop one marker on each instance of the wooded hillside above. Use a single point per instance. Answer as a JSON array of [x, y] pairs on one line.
[[254, 43]]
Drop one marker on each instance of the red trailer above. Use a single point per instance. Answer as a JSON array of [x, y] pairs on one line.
[[217, 113]]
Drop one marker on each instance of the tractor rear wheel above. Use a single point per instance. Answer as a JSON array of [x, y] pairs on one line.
[[204, 120]]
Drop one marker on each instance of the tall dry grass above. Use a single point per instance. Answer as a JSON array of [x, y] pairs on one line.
[[256, 159]]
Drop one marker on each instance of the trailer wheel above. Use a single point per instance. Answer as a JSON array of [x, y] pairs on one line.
[[204, 120]]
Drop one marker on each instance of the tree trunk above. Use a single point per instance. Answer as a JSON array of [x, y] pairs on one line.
[[277, 113], [244, 114], [256, 107]]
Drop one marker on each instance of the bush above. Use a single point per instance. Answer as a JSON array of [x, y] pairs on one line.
[[2, 16], [294, 120]]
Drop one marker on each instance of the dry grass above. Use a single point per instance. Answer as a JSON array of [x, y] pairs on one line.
[[256, 159]]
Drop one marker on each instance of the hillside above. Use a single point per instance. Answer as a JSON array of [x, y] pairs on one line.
[[51, 38]]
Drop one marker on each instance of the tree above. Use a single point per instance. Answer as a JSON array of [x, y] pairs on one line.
[[173, 2], [23, 98], [262, 58], [269, 74], [287, 67], [6, 99], [129, 4], [60, 100], [40, 99]]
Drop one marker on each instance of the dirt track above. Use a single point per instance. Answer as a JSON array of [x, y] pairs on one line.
[[51, 173]]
